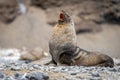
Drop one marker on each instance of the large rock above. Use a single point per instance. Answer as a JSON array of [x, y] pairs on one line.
[[8, 10]]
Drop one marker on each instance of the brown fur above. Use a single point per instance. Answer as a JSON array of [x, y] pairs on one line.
[[64, 51], [85, 58], [63, 37]]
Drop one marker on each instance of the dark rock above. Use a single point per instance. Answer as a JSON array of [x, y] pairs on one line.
[[53, 3], [112, 69], [8, 78], [2, 75], [8, 10], [37, 76], [73, 73], [17, 75]]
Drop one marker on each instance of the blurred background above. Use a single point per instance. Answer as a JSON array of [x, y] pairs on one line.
[[28, 23]]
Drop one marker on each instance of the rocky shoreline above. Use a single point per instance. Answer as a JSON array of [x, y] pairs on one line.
[[97, 25], [21, 70], [12, 67]]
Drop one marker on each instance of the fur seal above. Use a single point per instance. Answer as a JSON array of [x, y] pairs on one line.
[[64, 50]]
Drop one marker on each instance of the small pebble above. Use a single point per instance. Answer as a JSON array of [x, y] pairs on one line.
[[16, 75], [112, 69], [37, 76], [95, 74], [73, 73]]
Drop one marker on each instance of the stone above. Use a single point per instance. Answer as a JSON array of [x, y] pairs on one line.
[[37, 76], [1, 75], [95, 74]]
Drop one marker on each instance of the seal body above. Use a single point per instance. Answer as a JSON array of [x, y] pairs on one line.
[[64, 51], [63, 38]]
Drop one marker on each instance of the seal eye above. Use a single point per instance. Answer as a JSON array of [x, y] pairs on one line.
[[62, 16]]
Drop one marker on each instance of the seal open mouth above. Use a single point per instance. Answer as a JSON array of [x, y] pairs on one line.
[[64, 17]]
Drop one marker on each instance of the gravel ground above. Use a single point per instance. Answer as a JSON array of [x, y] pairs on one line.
[[22, 70]]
